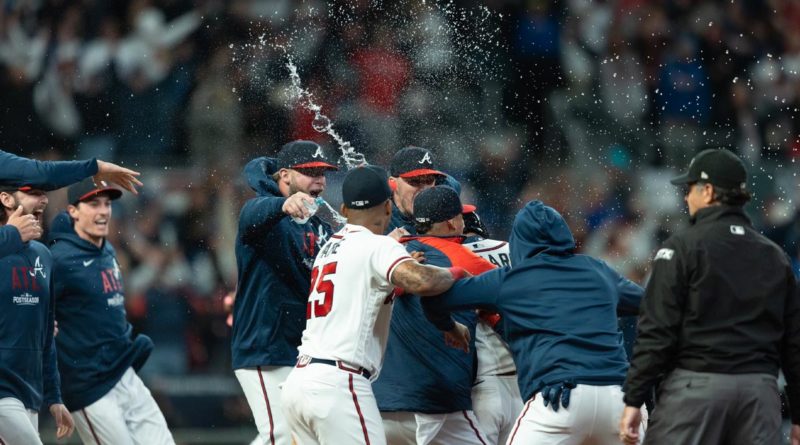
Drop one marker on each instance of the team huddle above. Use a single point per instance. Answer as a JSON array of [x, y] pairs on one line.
[[411, 326]]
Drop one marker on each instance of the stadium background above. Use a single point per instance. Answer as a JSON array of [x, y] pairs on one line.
[[588, 105]]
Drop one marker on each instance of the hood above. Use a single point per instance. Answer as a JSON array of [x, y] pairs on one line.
[[62, 229], [538, 229], [258, 174]]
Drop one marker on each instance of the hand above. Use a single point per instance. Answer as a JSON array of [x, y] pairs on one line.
[[294, 207], [419, 256], [55, 328], [227, 304], [557, 393], [629, 425], [398, 233], [795, 434], [458, 337], [27, 225], [121, 176], [64, 423]]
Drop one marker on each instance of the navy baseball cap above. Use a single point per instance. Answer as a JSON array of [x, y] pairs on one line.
[[453, 183], [303, 154], [717, 167], [437, 204], [409, 162], [87, 189], [365, 187]]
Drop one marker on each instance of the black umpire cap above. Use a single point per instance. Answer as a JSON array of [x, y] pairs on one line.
[[717, 167], [303, 154], [87, 189], [365, 187]]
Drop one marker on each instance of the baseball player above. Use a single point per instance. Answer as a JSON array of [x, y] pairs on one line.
[[98, 355], [495, 395], [274, 256], [16, 171], [28, 371], [412, 171], [327, 397], [425, 391], [559, 313]]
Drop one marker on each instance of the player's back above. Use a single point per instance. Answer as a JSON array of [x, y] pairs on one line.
[[349, 306]]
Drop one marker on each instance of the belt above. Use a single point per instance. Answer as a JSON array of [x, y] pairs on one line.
[[337, 363], [507, 374]]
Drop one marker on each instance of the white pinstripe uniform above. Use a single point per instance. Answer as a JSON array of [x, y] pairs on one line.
[[328, 397], [496, 400]]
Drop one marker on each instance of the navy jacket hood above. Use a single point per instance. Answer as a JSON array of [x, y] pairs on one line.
[[537, 229], [258, 174]]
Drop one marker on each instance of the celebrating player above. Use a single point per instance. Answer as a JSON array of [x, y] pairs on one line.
[[16, 171], [559, 312], [28, 371], [495, 395], [412, 172], [274, 255], [424, 393], [97, 354], [327, 397]]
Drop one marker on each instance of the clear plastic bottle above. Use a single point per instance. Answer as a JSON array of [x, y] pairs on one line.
[[312, 208]]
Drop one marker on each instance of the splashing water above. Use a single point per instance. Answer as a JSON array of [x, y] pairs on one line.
[[321, 122], [337, 218]]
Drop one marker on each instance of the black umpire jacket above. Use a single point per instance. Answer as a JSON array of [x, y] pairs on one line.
[[722, 298]]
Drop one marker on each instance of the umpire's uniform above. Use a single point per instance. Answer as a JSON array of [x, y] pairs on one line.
[[720, 316]]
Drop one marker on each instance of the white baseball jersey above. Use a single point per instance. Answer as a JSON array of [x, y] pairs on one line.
[[493, 355], [350, 304]]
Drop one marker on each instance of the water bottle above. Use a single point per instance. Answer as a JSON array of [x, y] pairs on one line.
[[312, 208]]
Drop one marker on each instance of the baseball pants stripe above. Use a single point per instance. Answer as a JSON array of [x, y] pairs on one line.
[[459, 427], [127, 415], [262, 388], [325, 405], [593, 417], [18, 425], [497, 403]]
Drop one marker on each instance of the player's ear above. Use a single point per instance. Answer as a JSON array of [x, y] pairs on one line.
[[393, 184], [387, 207], [8, 200], [343, 210], [73, 211]]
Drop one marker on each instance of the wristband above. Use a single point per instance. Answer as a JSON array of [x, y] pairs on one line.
[[457, 272]]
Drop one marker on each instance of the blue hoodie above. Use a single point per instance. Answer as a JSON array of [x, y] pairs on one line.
[[559, 309], [95, 341], [274, 256], [28, 370], [41, 175], [420, 372]]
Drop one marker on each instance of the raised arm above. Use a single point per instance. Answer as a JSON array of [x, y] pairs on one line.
[[424, 280]]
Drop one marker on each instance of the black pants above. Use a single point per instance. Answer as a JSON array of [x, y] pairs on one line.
[[700, 408]]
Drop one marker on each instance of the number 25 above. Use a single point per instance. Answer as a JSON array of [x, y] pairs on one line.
[[322, 287]]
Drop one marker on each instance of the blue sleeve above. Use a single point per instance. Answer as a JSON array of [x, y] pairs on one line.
[[50, 375], [10, 241], [259, 215], [479, 292], [43, 175], [630, 296]]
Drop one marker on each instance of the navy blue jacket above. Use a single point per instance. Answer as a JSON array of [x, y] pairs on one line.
[[42, 175], [95, 341], [559, 309], [420, 372], [28, 370], [399, 219], [274, 256]]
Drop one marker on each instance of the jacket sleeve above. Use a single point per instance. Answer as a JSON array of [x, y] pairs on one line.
[[10, 240], [478, 292], [630, 296], [260, 215], [659, 323], [790, 351], [44, 175], [50, 375]]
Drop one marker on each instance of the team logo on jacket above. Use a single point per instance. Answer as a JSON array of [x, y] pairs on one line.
[[25, 299], [664, 254], [116, 300], [38, 269]]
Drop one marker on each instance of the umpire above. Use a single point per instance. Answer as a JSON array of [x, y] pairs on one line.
[[720, 316]]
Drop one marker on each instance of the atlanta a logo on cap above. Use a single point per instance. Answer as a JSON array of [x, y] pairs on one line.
[[426, 158], [318, 153]]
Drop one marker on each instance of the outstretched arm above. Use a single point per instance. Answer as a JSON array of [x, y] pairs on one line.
[[424, 280]]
